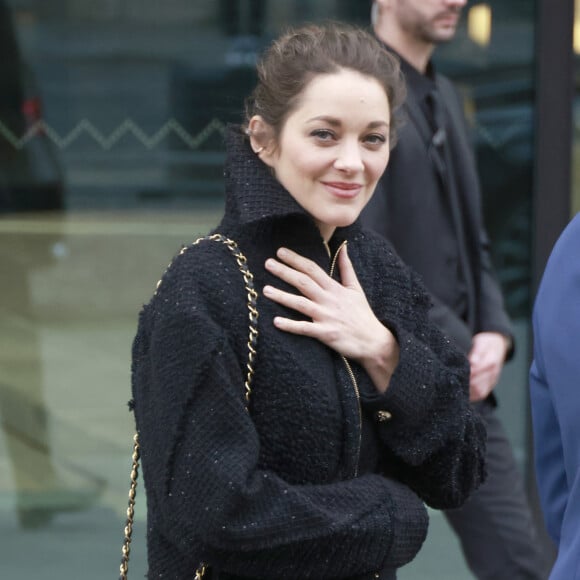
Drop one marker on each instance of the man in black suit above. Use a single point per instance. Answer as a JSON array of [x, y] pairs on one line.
[[428, 205]]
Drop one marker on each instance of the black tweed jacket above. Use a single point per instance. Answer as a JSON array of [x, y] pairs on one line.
[[324, 478]]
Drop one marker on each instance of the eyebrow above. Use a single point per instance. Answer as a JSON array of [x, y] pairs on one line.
[[336, 122]]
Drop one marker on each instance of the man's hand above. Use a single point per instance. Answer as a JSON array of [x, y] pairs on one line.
[[486, 357]]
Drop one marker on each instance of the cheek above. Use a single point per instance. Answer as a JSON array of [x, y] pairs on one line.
[[297, 172], [377, 168], [307, 166]]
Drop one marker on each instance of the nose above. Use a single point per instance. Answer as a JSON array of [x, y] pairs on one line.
[[349, 157]]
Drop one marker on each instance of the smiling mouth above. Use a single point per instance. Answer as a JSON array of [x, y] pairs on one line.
[[342, 189]]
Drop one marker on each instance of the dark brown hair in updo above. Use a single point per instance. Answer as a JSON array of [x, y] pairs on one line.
[[300, 54]]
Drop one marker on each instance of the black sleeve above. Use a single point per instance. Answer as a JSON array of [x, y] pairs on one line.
[[493, 316], [433, 439], [452, 326]]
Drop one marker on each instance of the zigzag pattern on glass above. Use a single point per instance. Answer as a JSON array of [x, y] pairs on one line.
[[107, 142]]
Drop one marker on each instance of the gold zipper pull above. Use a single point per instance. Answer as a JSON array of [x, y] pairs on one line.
[[334, 260]]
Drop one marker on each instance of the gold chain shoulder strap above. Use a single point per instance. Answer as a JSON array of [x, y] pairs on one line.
[[252, 297]]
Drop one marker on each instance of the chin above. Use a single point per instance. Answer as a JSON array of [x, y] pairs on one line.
[[345, 221], [443, 36]]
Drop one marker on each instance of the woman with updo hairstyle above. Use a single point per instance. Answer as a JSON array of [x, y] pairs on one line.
[[318, 463]]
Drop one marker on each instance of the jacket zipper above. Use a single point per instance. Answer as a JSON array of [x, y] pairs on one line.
[[346, 363]]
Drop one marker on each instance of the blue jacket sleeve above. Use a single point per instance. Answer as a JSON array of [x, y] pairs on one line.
[[555, 396]]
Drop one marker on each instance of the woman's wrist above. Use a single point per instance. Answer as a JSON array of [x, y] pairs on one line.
[[381, 359]]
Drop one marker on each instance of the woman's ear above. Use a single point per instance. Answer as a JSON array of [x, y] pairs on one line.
[[262, 139], [378, 7]]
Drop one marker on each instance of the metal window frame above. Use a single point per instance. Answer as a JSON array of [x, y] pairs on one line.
[[553, 127]]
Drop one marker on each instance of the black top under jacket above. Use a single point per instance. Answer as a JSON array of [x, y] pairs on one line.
[[312, 483]]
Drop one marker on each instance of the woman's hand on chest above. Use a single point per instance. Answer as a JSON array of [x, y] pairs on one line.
[[339, 313]]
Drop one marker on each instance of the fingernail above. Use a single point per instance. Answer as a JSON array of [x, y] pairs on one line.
[[282, 252]]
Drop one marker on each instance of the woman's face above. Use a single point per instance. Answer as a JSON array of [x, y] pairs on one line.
[[333, 147]]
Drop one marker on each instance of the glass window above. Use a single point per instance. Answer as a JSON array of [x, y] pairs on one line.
[[112, 116]]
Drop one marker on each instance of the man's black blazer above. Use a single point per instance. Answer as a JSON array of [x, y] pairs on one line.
[[405, 207]]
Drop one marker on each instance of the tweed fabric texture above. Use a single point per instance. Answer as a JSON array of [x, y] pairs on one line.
[[309, 484]]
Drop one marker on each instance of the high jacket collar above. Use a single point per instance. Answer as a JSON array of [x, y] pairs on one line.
[[253, 194]]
